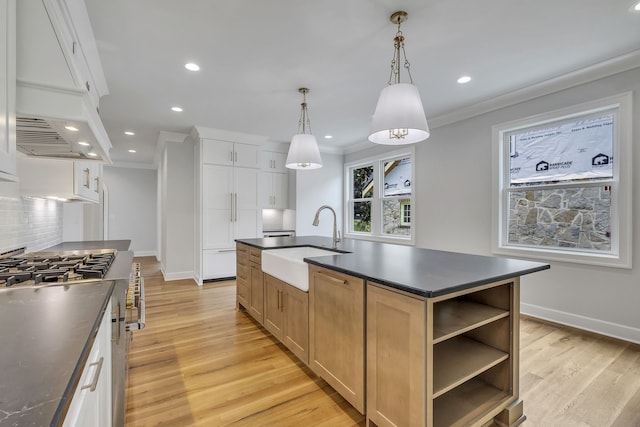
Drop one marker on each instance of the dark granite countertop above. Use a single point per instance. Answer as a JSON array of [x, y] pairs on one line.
[[425, 272], [46, 335], [119, 245]]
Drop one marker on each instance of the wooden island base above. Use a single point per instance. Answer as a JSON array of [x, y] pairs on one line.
[[400, 358]]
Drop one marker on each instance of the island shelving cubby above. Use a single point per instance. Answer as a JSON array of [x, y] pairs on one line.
[[466, 367]]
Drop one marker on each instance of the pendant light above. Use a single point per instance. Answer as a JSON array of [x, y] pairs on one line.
[[399, 117], [303, 151]]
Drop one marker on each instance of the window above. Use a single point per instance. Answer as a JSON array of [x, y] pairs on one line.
[[562, 185], [379, 197], [405, 213]]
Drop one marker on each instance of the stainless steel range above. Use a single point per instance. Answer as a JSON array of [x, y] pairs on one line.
[[65, 268]]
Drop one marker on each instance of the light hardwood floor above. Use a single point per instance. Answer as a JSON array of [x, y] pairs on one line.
[[200, 362]]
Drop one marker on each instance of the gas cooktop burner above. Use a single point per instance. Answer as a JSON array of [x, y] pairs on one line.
[[42, 268]]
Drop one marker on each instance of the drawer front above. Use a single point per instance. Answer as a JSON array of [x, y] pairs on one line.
[[255, 255]]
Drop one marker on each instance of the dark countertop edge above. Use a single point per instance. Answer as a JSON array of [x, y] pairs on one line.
[[302, 241], [119, 245], [295, 245], [429, 294], [69, 391]]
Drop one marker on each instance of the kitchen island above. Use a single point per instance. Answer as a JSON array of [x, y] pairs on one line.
[[408, 336], [48, 333]]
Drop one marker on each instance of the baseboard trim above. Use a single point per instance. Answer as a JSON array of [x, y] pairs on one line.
[[601, 327], [145, 253], [180, 275]]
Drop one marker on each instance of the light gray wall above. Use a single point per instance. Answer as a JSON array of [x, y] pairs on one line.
[[177, 214], [453, 173], [131, 207], [318, 187]]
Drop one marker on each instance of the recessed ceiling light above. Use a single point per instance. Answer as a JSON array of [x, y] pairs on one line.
[[92, 154], [85, 143], [635, 7], [192, 66], [71, 128], [132, 151], [464, 79], [128, 132], [328, 136], [176, 109]]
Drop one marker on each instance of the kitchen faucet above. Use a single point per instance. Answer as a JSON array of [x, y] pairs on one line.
[[336, 233]]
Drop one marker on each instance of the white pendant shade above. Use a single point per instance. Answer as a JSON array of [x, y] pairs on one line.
[[304, 153], [399, 113]]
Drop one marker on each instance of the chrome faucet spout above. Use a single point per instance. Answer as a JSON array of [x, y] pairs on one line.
[[316, 221]]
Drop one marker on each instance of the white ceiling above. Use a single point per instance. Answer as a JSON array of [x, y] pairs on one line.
[[254, 55]]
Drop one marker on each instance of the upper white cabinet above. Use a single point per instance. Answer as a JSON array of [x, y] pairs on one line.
[[7, 91], [273, 190], [60, 178], [274, 181], [273, 161], [230, 154]]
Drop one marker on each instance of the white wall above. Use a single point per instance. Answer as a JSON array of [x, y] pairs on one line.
[[453, 172], [131, 207], [318, 187], [177, 214]]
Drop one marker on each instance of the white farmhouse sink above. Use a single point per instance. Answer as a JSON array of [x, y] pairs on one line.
[[288, 265]]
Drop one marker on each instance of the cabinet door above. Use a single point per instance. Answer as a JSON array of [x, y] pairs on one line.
[[217, 201], [396, 328], [256, 308], [273, 161], [246, 156], [8, 90], [273, 190], [82, 180], [281, 190], [217, 152], [273, 315], [245, 210], [336, 332], [296, 322], [91, 402]]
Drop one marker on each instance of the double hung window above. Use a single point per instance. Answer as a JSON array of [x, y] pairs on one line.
[[563, 184], [380, 204]]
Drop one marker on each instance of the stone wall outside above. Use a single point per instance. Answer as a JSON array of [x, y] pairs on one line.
[[577, 217], [391, 218]]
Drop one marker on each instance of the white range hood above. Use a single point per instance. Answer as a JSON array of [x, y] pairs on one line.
[[59, 82]]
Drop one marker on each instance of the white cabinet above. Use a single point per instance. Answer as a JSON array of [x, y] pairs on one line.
[[273, 161], [274, 190], [63, 179], [230, 154], [8, 91], [227, 179], [230, 211], [91, 402]]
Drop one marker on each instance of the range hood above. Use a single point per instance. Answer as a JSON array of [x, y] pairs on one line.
[[59, 82]]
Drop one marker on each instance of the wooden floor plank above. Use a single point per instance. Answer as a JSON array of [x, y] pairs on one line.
[[199, 362]]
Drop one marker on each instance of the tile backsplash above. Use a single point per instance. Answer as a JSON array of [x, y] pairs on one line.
[[34, 223]]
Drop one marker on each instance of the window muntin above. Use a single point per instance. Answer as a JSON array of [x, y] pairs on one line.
[[579, 211]]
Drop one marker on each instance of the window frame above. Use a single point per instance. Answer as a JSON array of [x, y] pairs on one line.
[[376, 161], [620, 254]]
